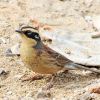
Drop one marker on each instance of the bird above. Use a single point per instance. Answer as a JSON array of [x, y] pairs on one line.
[[40, 58]]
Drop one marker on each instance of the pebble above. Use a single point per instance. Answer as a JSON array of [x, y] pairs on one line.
[[96, 22], [2, 40], [14, 50], [2, 71], [89, 19], [95, 35], [17, 77], [9, 92]]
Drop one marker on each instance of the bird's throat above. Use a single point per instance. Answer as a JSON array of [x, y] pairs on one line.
[[39, 45]]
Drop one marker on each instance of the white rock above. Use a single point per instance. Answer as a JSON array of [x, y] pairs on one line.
[[9, 92], [95, 34], [14, 50], [89, 19], [2, 40], [96, 22], [17, 77]]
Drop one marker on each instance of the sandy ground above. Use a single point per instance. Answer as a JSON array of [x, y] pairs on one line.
[[64, 14]]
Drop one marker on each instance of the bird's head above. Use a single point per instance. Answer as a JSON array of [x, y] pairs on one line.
[[29, 35]]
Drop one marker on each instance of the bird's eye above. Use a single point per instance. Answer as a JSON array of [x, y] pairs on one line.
[[36, 36], [29, 33]]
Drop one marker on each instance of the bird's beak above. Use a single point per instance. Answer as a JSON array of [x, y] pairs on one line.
[[19, 31]]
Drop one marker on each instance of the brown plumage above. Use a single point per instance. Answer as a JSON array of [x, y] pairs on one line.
[[40, 58], [37, 56]]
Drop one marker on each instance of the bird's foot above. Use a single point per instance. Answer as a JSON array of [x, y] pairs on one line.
[[50, 82], [32, 77]]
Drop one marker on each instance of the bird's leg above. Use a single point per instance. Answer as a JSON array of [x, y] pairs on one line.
[[45, 90], [32, 77], [49, 85], [51, 79]]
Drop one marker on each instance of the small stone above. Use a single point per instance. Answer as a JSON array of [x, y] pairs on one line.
[[8, 52], [2, 40], [2, 71], [9, 92], [89, 19], [96, 22], [67, 51], [14, 50], [95, 35], [17, 77]]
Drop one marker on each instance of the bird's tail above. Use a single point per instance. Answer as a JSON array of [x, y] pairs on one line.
[[75, 66]]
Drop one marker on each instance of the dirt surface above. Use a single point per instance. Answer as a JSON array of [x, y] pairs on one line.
[[62, 14]]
